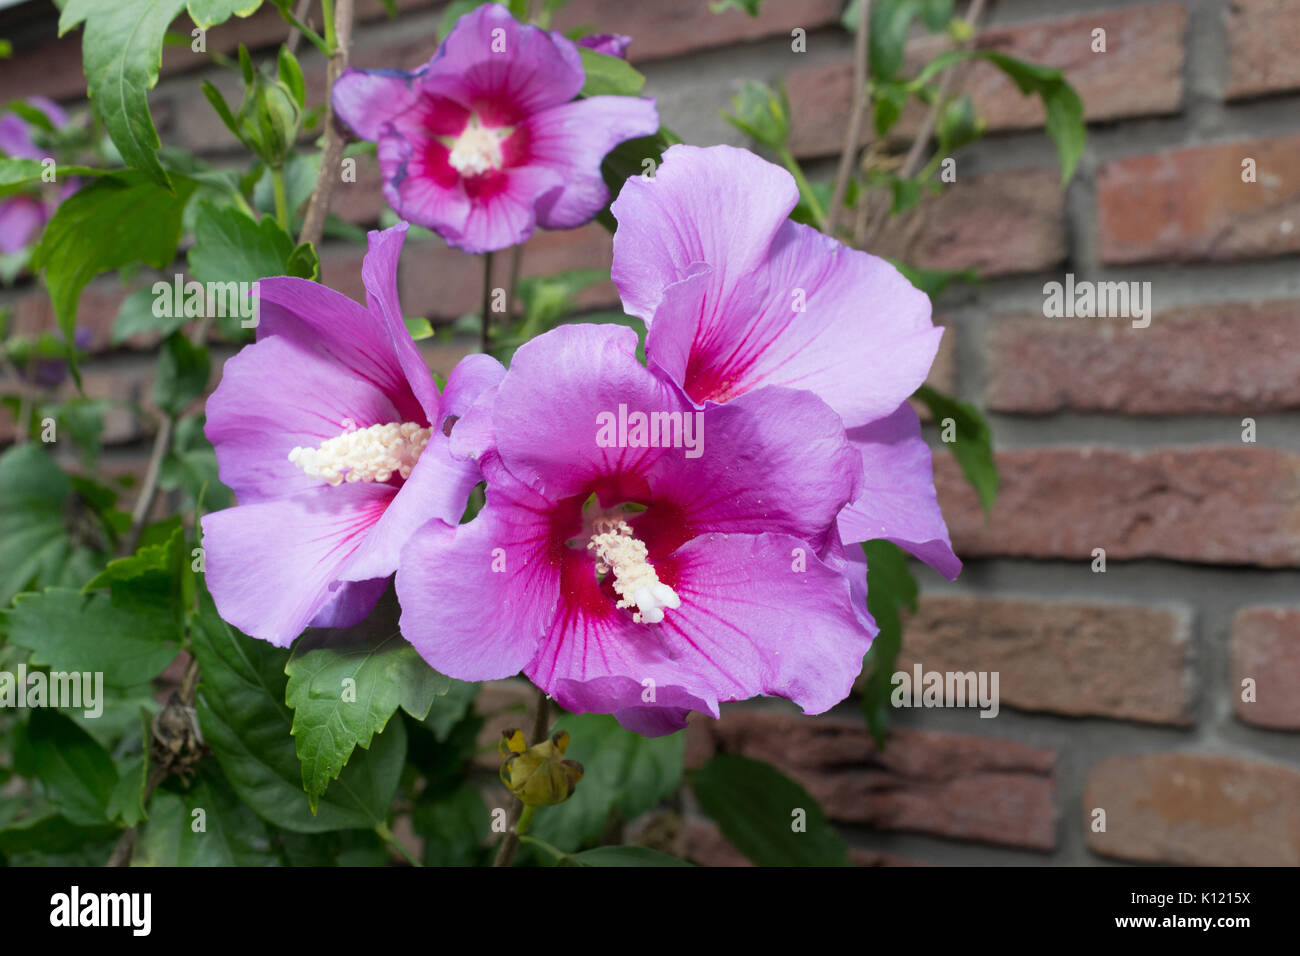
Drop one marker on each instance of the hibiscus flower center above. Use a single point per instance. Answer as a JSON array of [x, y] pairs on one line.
[[476, 150], [635, 580], [365, 454]]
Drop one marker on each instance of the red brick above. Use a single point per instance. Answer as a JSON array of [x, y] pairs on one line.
[[668, 28], [1140, 74], [968, 788], [1198, 809], [96, 313], [1226, 359], [1263, 40], [1191, 204], [998, 224], [705, 845], [1207, 504], [1082, 660], [1266, 649]]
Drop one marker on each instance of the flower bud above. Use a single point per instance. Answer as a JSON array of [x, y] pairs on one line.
[[268, 120], [538, 775]]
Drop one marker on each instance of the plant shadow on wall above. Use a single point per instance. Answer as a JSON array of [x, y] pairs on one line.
[[328, 557]]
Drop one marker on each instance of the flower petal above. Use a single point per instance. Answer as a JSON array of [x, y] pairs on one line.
[[507, 214], [815, 315], [254, 426], [367, 100], [720, 206], [379, 275], [762, 614], [503, 69], [319, 320], [351, 604], [270, 565], [573, 139], [477, 597], [898, 501]]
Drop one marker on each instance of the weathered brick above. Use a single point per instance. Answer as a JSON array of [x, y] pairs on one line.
[[1198, 809], [1233, 358], [1263, 37], [1191, 204], [998, 224], [1214, 505], [1104, 660], [1140, 74], [1266, 649], [96, 312], [668, 28], [705, 845], [968, 788]]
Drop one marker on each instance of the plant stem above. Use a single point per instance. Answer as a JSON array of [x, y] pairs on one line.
[[854, 131], [297, 23], [805, 189], [389, 837], [876, 221], [281, 200], [520, 817], [554, 850], [338, 25], [485, 327], [149, 490]]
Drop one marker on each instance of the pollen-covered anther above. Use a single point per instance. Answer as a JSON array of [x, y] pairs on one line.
[[476, 150], [635, 580], [365, 454]]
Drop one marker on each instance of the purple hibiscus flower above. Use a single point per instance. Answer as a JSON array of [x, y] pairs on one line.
[[638, 556], [24, 215], [330, 431], [485, 142], [610, 44], [736, 296]]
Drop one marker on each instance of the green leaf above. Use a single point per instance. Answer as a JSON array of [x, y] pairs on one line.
[[291, 76], [18, 172], [450, 708], [208, 13], [191, 465], [248, 726], [51, 833], [972, 443], [116, 221], [135, 316], [890, 588], [344, 694], [206, 825], [761, 113], [622, 856], [66, 630], [609, 75], [453, 12], [748, 7], [625, 774], [634, 157], [230, 246], [76, 773], [889, 102], [454, 824], [122, 51], [44, 525], [1065, 123], [757, 808], [183, 371], [419, 327], [958, 124], [933, 281]]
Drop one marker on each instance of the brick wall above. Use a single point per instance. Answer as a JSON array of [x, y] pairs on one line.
[[1121, 690]]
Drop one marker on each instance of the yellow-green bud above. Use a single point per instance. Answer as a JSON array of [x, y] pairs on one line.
[[268, 120], [538, 775]]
